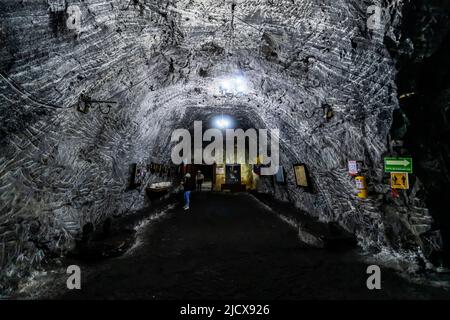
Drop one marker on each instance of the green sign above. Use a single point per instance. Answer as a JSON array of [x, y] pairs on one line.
[[398, 165]]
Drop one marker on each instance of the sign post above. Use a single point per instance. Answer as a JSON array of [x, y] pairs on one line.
[[398, 165], [399, 180], [354, 167]]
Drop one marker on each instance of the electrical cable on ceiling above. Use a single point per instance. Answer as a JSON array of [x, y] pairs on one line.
[[19, 89], [104, 112]]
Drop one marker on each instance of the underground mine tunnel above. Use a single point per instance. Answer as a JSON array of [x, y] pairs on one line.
[[224, 149]]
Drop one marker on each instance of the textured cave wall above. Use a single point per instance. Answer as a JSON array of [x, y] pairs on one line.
[[161, 60], [60, 169], [422, 54]]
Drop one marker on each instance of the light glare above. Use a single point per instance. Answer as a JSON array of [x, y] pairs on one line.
[[234, 85], [222, 122]]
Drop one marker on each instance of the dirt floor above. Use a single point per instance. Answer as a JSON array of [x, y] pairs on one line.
[[229, 246]]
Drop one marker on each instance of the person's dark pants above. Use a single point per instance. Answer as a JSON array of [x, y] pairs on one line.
[[199, 186]]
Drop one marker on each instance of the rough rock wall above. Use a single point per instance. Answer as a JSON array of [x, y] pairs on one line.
[[161, 60], [422, 52], [59, 168]]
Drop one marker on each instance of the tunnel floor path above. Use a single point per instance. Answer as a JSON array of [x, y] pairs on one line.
[[230, 246]]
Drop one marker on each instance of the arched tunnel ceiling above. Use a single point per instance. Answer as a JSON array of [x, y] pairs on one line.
[[293, 53], [241, 116], [161, 61]]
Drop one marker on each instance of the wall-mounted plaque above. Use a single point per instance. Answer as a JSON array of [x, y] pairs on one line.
[[220, 170], [301, 176]]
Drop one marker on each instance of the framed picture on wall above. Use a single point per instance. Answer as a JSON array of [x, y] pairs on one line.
[[279, 176], [302, 176]]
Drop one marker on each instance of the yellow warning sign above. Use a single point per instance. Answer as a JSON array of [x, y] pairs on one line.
[[399, 180]]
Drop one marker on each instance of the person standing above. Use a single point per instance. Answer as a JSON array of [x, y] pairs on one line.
[[199, 179], [189, 186]]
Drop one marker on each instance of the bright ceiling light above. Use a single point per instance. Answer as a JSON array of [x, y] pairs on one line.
[[234, 85], [226, 85], [240, 85], [222, 122]]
